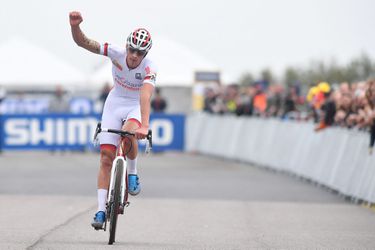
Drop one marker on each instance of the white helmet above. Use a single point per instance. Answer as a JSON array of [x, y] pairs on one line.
[[140, 39]]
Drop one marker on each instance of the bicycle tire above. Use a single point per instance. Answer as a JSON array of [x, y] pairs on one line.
[[115, 205]]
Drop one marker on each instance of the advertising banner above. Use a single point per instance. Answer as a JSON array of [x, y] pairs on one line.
[[75, 132]]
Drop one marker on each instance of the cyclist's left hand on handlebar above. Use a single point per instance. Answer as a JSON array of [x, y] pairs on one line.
[[141, 133]]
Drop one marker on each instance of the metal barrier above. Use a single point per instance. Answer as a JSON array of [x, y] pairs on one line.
[[335, 157]]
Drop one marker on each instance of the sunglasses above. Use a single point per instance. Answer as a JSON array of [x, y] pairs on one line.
[[139, 52]]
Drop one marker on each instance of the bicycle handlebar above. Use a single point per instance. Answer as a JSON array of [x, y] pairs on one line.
[[99, 129], [116, 131]]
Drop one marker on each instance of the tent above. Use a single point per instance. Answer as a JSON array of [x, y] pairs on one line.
[[176, 65], [29, 67]]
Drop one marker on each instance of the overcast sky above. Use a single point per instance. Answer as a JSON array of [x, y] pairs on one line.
[[236, 35]]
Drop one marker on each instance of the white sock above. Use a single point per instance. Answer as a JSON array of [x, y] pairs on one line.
[[102, 199], [131, 166]]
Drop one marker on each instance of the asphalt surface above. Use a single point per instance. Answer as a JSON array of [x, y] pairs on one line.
[[188, 201]]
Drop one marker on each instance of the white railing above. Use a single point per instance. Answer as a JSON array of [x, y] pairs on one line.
[[335, 157]]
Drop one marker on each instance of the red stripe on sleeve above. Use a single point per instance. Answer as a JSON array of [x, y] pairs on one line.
[[105, 52]]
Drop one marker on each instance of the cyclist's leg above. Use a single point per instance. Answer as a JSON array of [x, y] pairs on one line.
[[107, 155], [132, 123], [108, 144]]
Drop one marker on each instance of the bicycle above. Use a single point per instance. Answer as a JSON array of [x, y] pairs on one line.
[[117, 190]]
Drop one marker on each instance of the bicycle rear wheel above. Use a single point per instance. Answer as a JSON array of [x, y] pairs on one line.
[[115, 204]]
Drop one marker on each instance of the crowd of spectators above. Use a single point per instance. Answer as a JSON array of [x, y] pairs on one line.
[[345, 105], [258, 99]]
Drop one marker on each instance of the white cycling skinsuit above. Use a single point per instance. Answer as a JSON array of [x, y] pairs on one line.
[[123, 101]]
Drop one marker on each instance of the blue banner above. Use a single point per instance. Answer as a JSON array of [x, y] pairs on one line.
[[75, 132]]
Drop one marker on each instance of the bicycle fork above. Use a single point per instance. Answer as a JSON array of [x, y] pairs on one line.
[[124, 182]]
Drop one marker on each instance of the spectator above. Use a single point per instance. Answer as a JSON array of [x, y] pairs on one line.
[[158, 104], [213, 102], [290, 103], [59, 103], [370, 96], [274, 100], [344, 110], [259, 100], [209, 101], [312, 107], [231, 98], [245, 102], [324, 99], [345, 88], [328, 111]]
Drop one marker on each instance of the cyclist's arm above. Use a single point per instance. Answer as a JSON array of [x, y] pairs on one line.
[[146, 93], [79, 37]]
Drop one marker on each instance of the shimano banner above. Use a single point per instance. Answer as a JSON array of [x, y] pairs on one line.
[[75, 132]]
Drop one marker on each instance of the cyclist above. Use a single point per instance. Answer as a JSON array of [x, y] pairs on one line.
[[127, 105]]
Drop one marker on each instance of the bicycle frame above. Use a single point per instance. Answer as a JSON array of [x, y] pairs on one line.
[[120, 156], [116, 206]]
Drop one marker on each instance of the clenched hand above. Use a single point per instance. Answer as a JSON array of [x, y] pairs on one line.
[[75, 18]]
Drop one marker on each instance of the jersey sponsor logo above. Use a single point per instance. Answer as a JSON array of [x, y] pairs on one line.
[[151, 78], [138, 76], [126, 84]]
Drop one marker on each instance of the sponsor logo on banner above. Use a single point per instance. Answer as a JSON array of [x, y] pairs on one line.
[[48, 132], [76, 132]]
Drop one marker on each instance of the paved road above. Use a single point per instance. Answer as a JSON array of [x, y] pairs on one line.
[[187, 202]]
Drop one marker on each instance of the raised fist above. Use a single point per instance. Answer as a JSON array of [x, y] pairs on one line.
[[75, 18]]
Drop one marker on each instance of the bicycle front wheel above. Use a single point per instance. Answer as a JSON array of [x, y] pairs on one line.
[[115, 204]]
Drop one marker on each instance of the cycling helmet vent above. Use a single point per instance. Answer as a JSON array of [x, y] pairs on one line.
[[140, 39]]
